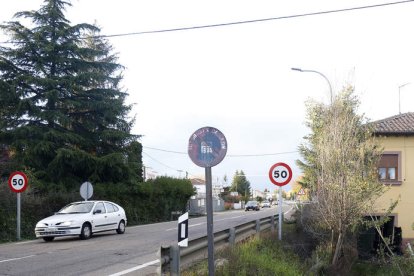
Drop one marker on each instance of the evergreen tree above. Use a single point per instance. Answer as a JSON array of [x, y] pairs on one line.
[[240, 184], [63, 113]]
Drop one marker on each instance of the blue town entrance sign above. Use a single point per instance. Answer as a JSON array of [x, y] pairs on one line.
[[207, 147]]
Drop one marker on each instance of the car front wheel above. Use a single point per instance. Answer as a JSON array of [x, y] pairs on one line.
[[48, 239], [86, 231], [121, 227]]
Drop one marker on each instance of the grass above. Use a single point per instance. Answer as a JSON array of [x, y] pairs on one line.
[[266, 255]]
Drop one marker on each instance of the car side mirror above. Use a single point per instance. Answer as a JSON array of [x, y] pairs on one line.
[[97, 211]]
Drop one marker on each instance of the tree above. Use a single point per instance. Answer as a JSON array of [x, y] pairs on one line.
[[241, 185], [63, 112], [340, 170]]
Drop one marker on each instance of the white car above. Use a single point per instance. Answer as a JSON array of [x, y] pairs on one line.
[[82, 219], [265, 204]]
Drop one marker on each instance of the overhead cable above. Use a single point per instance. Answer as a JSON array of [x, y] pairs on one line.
[[245, 21], [228, 155], [257, 20]]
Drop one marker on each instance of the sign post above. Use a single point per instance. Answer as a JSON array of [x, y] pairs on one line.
[[280, 174], [18, 184], [207, 147]]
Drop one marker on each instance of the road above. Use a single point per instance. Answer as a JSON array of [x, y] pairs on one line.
[[133, 253]]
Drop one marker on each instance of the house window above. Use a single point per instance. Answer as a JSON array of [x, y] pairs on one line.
[[389, 168]]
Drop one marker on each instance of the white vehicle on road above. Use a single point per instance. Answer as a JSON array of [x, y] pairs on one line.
[[83, 218]]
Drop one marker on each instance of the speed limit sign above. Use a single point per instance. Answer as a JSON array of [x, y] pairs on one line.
[[18, 182], [280, 174]]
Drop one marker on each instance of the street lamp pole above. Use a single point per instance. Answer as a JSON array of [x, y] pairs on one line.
[[319, 73], [399, 96]]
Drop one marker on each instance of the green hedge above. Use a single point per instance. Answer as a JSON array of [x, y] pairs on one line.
[[148, 202]]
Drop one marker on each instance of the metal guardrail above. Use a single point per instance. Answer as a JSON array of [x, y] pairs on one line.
[[173, 258]]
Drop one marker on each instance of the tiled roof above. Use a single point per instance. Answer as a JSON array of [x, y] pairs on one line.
[[402, 124], [197, 181]]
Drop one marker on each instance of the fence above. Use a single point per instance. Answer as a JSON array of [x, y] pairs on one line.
[[173, 258]]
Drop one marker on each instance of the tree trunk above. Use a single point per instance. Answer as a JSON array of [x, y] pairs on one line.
[[338, 248]]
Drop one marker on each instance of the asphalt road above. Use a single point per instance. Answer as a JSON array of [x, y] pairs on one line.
[[133, 253]]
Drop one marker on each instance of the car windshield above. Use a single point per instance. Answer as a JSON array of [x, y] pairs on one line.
[[252, 203], [77, 208]]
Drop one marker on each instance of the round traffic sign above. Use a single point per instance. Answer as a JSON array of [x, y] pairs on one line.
[[86, 190], [207, 147], [280, 174], [18, 182]]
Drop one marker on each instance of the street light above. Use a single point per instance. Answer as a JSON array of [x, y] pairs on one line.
[[319, 73], [399, 96]]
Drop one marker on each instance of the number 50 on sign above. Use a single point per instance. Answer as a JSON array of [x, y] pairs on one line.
[[280, 174]]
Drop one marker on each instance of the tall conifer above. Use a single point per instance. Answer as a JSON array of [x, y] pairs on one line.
[[63, 113]]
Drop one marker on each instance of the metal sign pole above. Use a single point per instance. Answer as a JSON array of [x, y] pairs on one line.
[[18, 217], [280, 213], [210, 234]]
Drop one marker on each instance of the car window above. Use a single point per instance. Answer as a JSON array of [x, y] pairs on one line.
[[76, 208], [99, 206], [109, 207]]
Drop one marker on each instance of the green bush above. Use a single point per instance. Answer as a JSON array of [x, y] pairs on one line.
[[148, 202]]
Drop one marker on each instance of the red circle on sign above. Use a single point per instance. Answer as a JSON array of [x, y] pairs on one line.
[[286, 179], [207, 147], [18, 182]]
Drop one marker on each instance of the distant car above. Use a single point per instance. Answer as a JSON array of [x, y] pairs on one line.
[[265, 204], [252, 205], [83, 218]]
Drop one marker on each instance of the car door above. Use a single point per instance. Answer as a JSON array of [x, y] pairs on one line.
[[113, 215], [100, 218]]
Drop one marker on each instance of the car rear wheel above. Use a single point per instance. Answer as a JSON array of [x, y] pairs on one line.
[[121, 227], [48, 239], [86, 231]]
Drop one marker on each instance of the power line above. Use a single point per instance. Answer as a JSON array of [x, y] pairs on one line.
[[258, 20], [159, 161], [263, 154], [246, 21], [171, 151], [228, 155], [165, 165]]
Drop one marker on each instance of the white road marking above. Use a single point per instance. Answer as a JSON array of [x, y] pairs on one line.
[[16, 259], [26, 242], [175, 228], [135, 268], [229, 218]]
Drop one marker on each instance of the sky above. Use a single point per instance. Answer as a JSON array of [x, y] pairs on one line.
[[238, 78]]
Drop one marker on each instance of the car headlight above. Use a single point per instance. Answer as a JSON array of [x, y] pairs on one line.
[[41, 224], [66, 223]]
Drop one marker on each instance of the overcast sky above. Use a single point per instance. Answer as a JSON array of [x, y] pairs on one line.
[[238, 78]]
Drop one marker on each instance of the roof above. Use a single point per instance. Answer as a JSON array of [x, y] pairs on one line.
[[402, 124], [197, 181]]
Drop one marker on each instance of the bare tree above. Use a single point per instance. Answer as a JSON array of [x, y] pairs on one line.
[[340, 164]]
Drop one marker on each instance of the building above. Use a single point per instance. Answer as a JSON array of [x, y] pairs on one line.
[[396, 170], [197, 203], [257, 193]]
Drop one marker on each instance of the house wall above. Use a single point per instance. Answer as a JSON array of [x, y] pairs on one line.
[[405, 209]]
